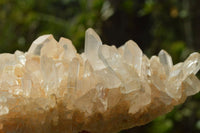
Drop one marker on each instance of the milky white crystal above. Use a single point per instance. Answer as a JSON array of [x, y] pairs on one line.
[[52, 88]]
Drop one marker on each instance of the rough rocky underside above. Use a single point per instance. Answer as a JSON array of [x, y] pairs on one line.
[[53, 89]]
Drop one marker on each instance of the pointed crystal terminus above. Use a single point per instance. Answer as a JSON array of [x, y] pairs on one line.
[[166, 60], [92, 44], [38, 44], [51, 88]]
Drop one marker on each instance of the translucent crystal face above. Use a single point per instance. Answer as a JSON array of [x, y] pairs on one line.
[[52, 88]]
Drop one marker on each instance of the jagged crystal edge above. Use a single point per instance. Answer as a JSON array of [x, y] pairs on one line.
[[52, 88]]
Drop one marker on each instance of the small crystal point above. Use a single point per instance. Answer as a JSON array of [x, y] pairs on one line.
[[51, 49], [192, 85], [165, 60], [133, 55], [145, 68], [69, 49], [92, 43], [158, 76], [20, 56], [192, 64], [38, 44], [173, 84]]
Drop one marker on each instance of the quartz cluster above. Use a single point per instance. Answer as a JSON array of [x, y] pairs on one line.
[[52, 88]]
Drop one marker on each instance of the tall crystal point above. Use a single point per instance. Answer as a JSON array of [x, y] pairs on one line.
[[53, 89]]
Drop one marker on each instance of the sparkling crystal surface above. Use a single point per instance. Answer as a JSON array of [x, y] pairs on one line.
[[53, 89]]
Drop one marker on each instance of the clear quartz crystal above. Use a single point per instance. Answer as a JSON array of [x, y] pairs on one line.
[[192, 64], [113, 60], [133, 55], [26, 85], [51, 88], [174, 81], [69, 49], [20, 56], [103, 76], [192, 84], [51, 49], [39, 43], [49, 73], [145, 68], [166, 61], [158, 76], [88, 70], [101, 94], [92, 43], [73, 74]]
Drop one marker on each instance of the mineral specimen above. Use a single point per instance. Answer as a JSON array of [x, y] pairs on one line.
[[52, 88]]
